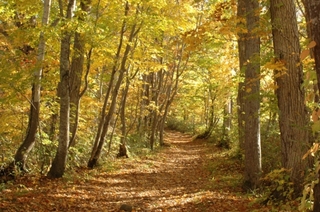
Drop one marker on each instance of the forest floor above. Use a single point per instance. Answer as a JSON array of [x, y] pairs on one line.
[[185, 176]]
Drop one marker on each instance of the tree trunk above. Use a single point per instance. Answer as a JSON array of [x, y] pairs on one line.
[[312, 9], [75, 85], [170, 94], [293, 117], [145, 96], [156, 82], [59, 163], [170, 89], [316, 196], [252, 99], [76, 73], [29, 141], [211, 110], [242, 58], [105, 122], [95, 154], [226, 125], [122, 146]]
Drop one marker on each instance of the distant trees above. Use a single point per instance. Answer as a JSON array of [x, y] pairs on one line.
[[136, 57], [139, 66]]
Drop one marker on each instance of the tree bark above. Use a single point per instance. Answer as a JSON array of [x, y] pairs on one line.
[[312, 9], [156, 82], [252, 99], [293, 117], [76, 74], [29, 141], [122, 146], [242, 58], [59, 163]]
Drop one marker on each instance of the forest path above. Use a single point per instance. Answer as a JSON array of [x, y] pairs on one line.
[[186, 176]]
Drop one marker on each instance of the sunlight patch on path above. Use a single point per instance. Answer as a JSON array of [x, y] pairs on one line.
[[191, 176]]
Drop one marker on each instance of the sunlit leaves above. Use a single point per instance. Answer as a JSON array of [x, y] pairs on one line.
[[275, 64]]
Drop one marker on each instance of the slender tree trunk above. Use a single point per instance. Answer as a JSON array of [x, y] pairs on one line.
[[122, 146], [145, 103], [252, 99], [228, 112], [104, 107], [171, 90], [124, 131], [100, 139], [29, 141], [156, 83], [103, 119], [95, 155], [76, 74], [59, 163], [211, 116], [226, 125], [171, 93], [164, 109], [293, 117]]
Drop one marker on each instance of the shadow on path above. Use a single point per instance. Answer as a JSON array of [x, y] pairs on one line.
[[177, 178]]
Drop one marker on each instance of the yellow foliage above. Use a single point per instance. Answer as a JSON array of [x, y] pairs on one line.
[[276, 64], [312, 150]]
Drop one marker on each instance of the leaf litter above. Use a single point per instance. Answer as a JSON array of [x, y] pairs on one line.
[[185, 176]]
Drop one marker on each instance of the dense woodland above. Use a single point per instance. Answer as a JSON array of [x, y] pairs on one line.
[[85, 82]]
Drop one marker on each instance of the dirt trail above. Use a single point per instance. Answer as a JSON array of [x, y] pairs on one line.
[[186, 176]]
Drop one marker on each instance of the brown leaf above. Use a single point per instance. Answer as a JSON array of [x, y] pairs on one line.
[[312, 44], [304, 54]]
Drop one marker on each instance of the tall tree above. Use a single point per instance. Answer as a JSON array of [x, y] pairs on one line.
[[293, 119], [120, 67], [59, 163], [312, 10], [29, 141], [122, 146], [242, 58], [76, 72], [252, 98]]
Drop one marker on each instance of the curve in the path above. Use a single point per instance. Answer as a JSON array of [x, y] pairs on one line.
[[186, 176], [174, 179]]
